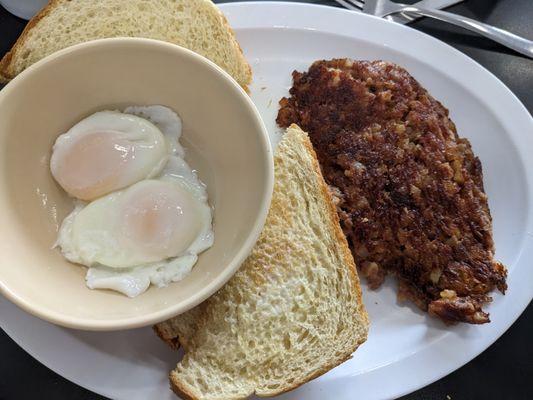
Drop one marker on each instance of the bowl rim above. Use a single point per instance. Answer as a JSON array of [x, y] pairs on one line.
[[230, 268]]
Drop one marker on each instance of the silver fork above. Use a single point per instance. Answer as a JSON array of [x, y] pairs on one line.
[[385, 8], [403, 18]]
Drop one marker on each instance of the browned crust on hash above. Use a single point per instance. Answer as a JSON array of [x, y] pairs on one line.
[[6, 73], [409, 190]]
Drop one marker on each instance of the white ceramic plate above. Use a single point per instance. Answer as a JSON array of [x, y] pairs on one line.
[[405, 350]]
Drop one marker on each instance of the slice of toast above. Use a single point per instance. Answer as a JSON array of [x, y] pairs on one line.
[[293, 310], [195, 24]]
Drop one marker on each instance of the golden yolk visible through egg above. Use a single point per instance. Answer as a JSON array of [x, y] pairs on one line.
[[93, 164], [160, 219], [146, 218], [108, 151]]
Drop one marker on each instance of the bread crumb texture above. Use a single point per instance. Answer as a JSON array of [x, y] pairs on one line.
[[195, 24], [293, 310]]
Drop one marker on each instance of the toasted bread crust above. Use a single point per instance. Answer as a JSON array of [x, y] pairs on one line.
[[241, 53], [172, 342], [335, 226], [181, 388], [7, 72], [183, 392], [348, 261], [6, 64]]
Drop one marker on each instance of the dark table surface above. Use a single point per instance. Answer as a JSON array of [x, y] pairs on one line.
[[504, 371]]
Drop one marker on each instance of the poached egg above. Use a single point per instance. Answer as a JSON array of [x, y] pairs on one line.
[[141, 214]]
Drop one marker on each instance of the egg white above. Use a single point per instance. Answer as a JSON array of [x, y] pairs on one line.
[[87, 237]]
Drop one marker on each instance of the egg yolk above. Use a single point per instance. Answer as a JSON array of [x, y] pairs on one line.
[[160, 220], [93, 164]]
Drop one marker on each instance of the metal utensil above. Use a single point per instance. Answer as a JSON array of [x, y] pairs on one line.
[[387, 7], [402, 18], [433, 4]]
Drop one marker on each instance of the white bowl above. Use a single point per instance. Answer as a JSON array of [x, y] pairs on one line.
[[225, 139]]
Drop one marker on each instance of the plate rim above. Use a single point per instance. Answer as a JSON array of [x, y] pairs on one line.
[[525, 298], [516, 106]]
